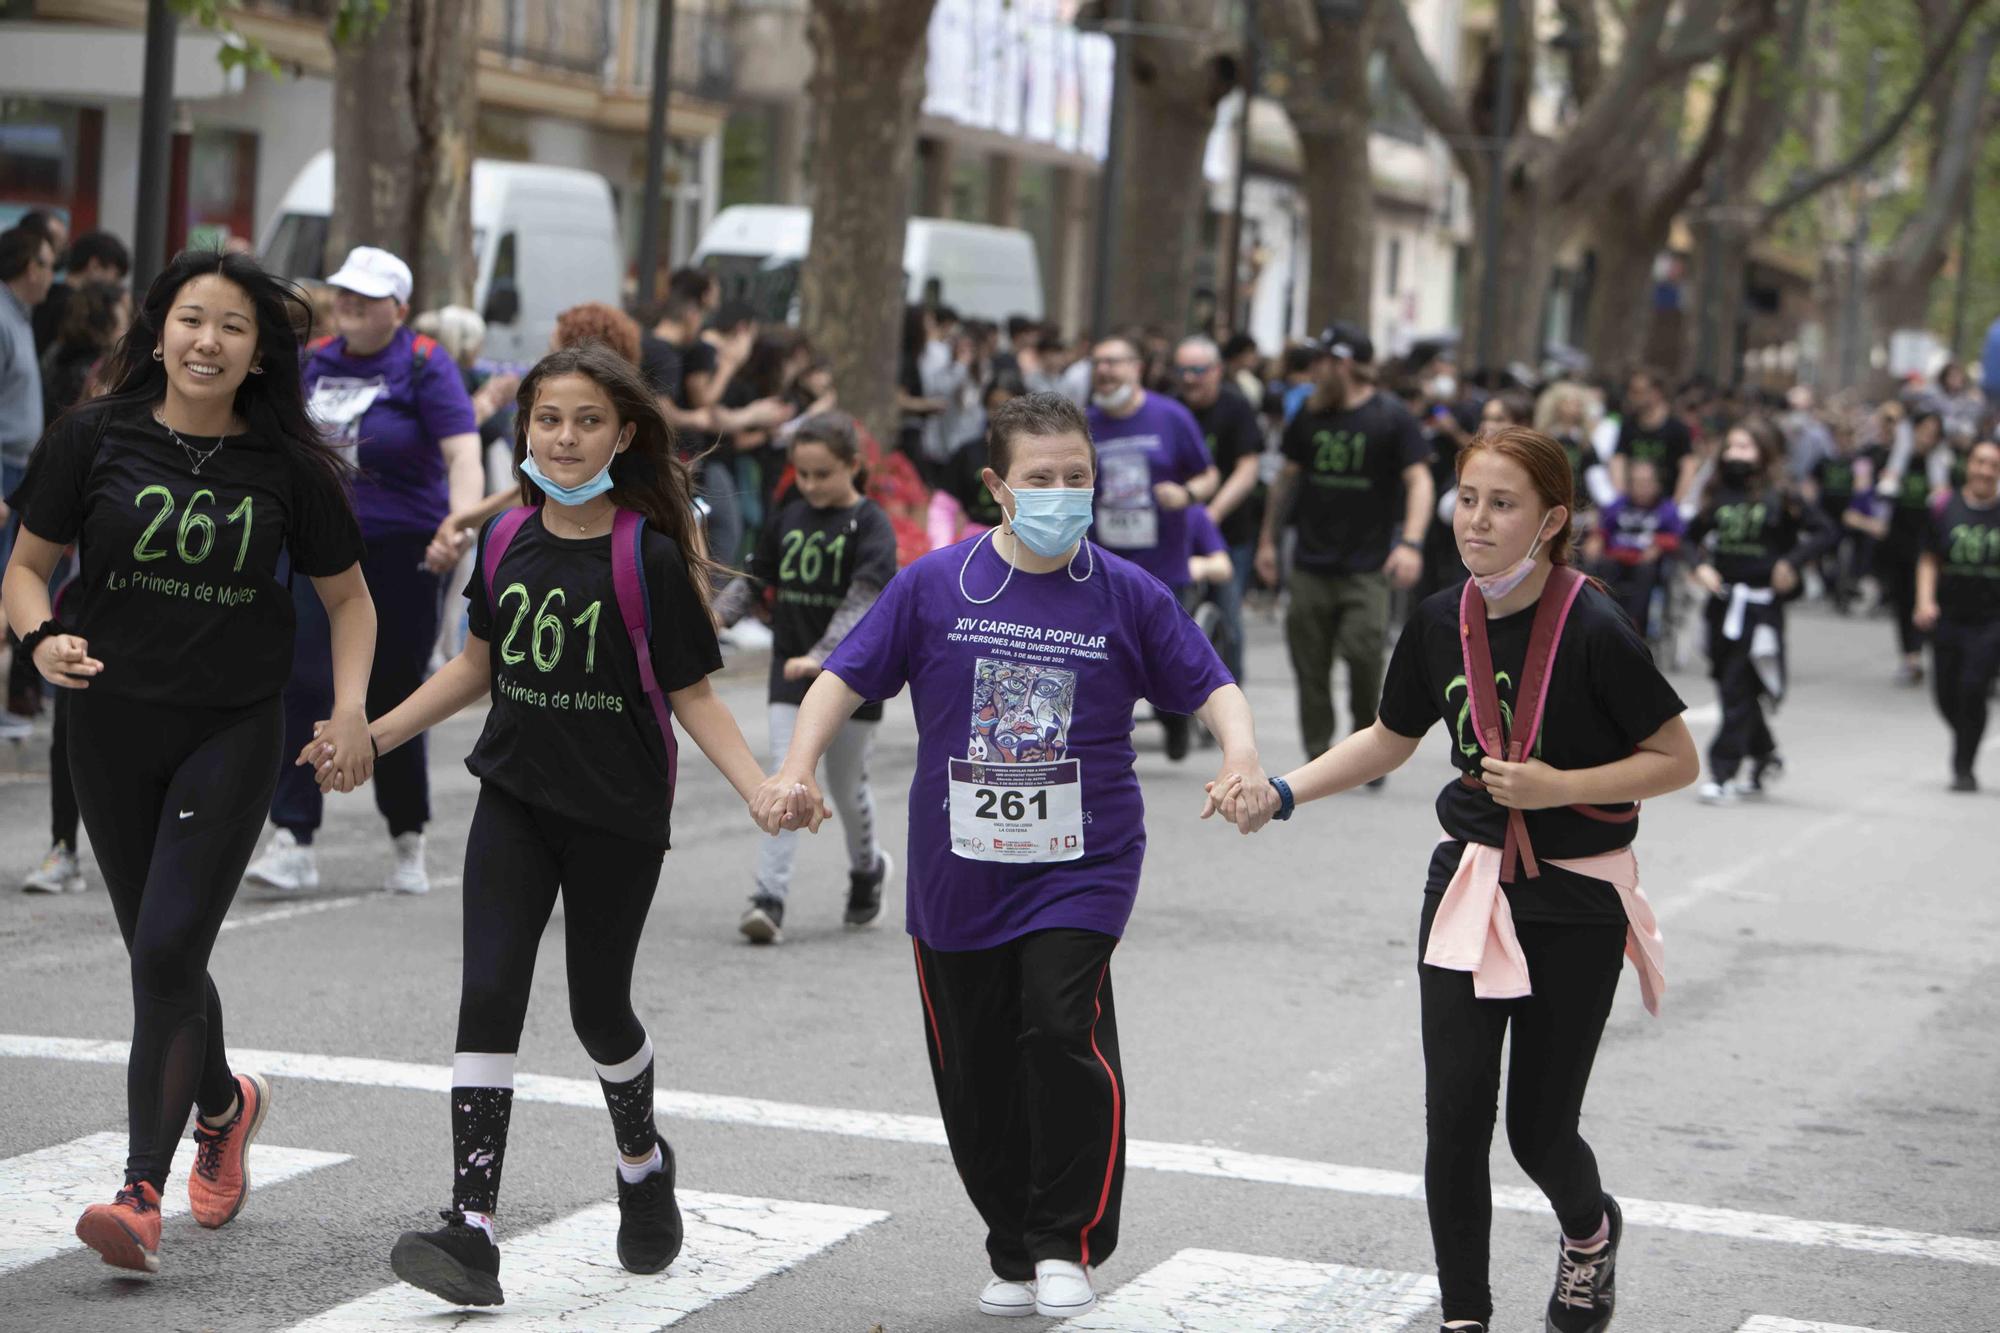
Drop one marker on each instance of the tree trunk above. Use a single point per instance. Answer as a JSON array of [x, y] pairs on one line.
[[1532, 232], [1177, 82], [1625, 246], [867, 83], [404, 108], [1329, 109], [1160, 211]]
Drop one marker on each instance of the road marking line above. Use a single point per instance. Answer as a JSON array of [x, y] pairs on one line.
[[1751, 867], [566, 1276], [1183, 1158], [1209, 1291], [42, 1192], [1771, 1323], [296, 910]]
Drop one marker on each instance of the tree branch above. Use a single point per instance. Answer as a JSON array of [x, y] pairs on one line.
[[1959, 137], [1586, 58], [1886, 133], [1419, 77], [1716, 39], [1600, 122], [1668, 200]]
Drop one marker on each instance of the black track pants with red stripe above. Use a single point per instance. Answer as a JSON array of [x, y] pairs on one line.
[[1024, 1050]]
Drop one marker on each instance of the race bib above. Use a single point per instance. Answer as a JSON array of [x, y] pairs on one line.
[[1127, 518], [1017, 813]]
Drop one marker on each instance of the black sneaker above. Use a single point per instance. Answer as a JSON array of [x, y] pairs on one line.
[[649, 1221], [1964, 782], [864, 891], [458, 1262], [763, 922], [1377, 784], [1176, 727], [1584, 1294], [1461, 1328]]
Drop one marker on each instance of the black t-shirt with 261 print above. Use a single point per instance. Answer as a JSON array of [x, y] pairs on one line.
[[1604, 697], [570, 729], [179, 594], [811, 557]]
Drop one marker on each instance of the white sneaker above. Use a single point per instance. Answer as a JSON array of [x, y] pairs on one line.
[[1717, 793], [1009, 1300], [1062, 1289], [59, 872], [285, 865], [407, 875], [13, 728]]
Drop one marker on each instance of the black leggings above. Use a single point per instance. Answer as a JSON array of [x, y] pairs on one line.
[[1574, 973], [1896, 566], [517, 858], [62, 787], [1964, 661], [173, 799]]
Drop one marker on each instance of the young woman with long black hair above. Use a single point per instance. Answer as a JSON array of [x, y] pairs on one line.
[[588, 622], [1560, 725], [1753, 538], [181, 487]]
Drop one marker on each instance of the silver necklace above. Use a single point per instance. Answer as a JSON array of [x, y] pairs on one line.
[[195, 457]]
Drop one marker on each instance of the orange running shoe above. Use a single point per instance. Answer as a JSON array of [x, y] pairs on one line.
[[220, 1180], [125, 1231]]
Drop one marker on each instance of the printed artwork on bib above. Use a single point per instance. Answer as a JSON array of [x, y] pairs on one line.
[[339, 402], [1020, 712], [1015, 797], [1126, 516]]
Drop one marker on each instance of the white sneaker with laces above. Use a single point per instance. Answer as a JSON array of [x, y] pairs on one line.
[[285, 865], [407, 875], [59, 872], [1717, 793], [1009, 1300], [1062, 1289]]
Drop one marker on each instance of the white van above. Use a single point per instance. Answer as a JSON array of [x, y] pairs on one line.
[[981, 272], [543, 239]]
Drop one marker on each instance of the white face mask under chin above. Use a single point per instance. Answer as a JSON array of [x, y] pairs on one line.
[[1494, 587], [1090, 567]]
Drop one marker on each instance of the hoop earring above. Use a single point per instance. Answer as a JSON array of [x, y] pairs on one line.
[[256, 370], [158, 355]]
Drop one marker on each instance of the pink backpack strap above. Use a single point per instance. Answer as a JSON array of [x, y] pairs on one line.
[[635, 608], [498, 538]]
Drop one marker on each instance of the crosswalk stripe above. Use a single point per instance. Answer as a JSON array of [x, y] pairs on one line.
[[1771, 1323], [1184, 1158], [42, 1192], [1210, 1291], [565, 1276]]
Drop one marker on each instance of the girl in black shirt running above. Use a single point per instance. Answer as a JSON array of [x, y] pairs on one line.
[[181, 487], [826, 555], [1536, 946], [1753, 536], [1958, 604], [577, 771]]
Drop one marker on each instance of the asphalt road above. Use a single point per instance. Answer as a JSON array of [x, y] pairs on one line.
[[1808, 1133]]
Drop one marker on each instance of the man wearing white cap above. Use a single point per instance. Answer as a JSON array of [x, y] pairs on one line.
[[394, 400]]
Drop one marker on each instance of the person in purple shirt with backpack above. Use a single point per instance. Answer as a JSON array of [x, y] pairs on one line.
[[1025, 650], [392, 401], [589, 628]]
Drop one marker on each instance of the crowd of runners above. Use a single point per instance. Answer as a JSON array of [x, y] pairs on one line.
[[232, 566]]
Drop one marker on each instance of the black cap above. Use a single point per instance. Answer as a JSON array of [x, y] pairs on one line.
[[1350, 342]]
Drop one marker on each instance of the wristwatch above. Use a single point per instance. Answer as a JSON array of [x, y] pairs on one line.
[[1418, 547]]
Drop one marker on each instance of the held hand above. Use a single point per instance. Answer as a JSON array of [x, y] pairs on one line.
[[450, 543], [803, 667], [1783, 577], [349, 760], [1709, 578], [1528, 785], [1267, 563], [65, 660], [1404, 567], [766, 413], [1171, 495], [1244, 786], [1925, 617], [804, 807]]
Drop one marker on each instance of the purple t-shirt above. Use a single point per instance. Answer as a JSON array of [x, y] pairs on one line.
[[1159, 442], [1024, 712], [1204, 538], [388, 413]]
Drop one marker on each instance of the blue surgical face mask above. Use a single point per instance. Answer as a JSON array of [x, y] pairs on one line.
[[568, 495], [1050, 520]]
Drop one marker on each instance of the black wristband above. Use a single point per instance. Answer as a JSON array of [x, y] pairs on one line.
[[47, 629]]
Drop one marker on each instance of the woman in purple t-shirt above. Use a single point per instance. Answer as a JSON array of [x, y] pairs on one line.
[[1025, 650], [396, 405]]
